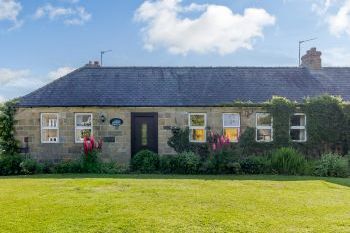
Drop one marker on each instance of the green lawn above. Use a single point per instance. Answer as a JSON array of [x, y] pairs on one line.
[[131, 203]]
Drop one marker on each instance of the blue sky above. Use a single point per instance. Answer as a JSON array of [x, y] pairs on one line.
[[44, 39]]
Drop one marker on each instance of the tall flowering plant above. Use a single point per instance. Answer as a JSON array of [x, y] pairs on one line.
[[91, 146], [218, 142]]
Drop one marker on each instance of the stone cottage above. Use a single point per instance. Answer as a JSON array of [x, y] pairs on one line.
[[134, 108]]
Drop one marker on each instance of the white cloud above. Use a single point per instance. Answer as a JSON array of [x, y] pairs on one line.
[[9, 10], [19, 79], [335, 13], [336, 57], [216, 29], [321, 7], [60, 72], [70, 16], [8, 75], [339, 23]]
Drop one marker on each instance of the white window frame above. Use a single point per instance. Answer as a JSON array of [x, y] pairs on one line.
[[82, 127], [263, 127], [232, 127], [49, 128], [298, 127], [198, 127]]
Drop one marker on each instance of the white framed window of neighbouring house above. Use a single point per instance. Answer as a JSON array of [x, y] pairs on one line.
[[297, 129], [231, 126], [197, 123], [264, 129], [49, 123], [83, 126]]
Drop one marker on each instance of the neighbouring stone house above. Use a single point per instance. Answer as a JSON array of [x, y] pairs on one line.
[[134, 108]]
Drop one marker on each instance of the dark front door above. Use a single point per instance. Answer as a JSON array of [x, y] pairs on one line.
[[144, 132]]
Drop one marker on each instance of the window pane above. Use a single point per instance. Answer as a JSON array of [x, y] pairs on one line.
[[81, 133], [49, 135], [197, 120], [298, 120], [231, 120], [144, 134], [49, 120], [264, 119], [83, 120], [231, 133], [298, 134], [264, 135], [197, 135]]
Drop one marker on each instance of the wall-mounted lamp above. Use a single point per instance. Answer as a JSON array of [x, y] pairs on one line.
[[102, 118]]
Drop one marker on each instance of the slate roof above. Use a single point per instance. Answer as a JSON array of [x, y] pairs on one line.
[[186, 86]]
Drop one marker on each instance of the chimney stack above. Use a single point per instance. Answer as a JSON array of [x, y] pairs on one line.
[[94, 64], [312, 59]]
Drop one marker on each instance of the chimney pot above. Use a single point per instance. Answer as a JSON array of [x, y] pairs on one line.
[[93, 64], [312, 59]]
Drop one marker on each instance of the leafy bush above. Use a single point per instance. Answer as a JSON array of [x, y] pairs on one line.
[[255, 165], [179, 141], [222, 162], [332, 165], [249, 146], [326, 123], [48, 167], [187, 163], [31, 166], [288, 161], [112, 168], [183, 163], [167, 164], [91, 162], [8, 143], [234, 167], [10, 164], [68, 167], [145, 161]]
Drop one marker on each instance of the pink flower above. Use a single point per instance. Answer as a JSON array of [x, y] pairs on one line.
[[86, 146], [92, 142]]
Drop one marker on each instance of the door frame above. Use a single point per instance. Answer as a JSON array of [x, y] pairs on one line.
[[133, 134]]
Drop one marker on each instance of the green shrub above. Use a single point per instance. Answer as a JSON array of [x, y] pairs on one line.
[[249, 146], [332, 165], [68, 167], [255, 165], [48, 167], [187, 163], [183, 163], [222, 162], [145, 161], [234, 167], [91, 162], [8, 143], [112, 168], [31, 166], [208, 166], [10, 164], [288, 161], [180, 142], [168, 164]]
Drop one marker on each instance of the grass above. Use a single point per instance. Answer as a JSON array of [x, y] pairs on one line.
[[156, 203]]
